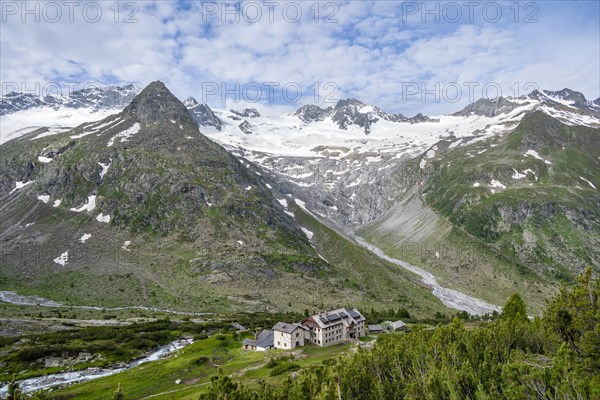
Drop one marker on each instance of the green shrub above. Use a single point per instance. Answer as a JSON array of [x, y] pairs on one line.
[[284, 367]]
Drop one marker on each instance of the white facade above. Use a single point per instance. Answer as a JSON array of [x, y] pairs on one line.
[[289, 336], [336, 326]]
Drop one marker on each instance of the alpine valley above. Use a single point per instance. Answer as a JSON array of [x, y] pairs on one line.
[[112, 199]]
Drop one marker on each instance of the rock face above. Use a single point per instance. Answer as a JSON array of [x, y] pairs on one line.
[[488, 107], [353, 112], [310, 113], [350, 112], [246, 127], [419, 118], [203, 114], [112, 97], [247, 113], [575, 99]]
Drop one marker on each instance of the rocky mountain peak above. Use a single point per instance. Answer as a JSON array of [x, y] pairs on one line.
[[202, 114], [190, 102], [488, 107], [576, 98], [310, 112], [156, 103], [354, 112], [247, 113], [348, 102]]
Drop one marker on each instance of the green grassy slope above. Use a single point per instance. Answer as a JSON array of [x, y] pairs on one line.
[[491, 241]]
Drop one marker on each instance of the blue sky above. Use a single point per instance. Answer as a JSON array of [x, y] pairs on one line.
[[405, 57]]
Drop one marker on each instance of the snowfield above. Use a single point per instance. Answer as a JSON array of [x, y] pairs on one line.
[[286, 135], [23, 122]]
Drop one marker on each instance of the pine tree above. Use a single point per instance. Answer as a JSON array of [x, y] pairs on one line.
[[514, 309]]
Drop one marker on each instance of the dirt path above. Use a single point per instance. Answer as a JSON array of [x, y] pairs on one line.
[[174, 391]]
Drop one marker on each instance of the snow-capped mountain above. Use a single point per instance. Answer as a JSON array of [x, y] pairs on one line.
[[568, 105], [384, 176], [21, 113], [95, 98]]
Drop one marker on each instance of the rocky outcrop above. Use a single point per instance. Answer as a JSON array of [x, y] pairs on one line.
[[246, 127], [488, 107], [203, 114], [246, 113], [310, 113]]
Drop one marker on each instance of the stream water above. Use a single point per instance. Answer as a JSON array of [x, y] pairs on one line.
[[449, 297], [68, 378]]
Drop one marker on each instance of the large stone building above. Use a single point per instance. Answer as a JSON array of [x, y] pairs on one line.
[[324, 329], [288, 336], [336, 326]]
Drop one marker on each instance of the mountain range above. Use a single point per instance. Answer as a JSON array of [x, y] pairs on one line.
[[175, 204]]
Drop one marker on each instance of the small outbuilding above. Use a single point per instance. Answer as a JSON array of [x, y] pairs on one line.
[[264, 341], [395, 326], [375, 329]]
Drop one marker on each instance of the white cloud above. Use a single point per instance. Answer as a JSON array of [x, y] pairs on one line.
[[368, 54]]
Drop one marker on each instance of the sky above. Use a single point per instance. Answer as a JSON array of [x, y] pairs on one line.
[[431, 57]]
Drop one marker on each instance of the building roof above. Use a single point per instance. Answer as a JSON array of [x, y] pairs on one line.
[[264, 340], [345, 316], [375, 327], [397, 324], [286, 328]]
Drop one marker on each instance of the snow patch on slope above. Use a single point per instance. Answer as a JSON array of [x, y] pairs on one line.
[[535, 155], [85, 237], [104, 169], [21, 185], [308, 233], [589, 183], [103, 218], [44, 160], [62, 259], [89, 206], [125, 135]]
